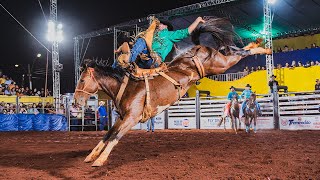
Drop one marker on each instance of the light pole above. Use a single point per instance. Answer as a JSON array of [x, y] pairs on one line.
[[55, 36]]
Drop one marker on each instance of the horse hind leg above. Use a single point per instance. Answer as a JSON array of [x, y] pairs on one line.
[[113, 139]]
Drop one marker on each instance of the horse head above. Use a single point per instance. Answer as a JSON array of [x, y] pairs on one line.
[[252, 101], [87, 84]]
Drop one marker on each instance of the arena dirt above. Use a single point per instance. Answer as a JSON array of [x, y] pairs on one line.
[[169, 154]]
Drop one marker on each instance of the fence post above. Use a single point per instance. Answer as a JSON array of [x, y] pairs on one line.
[[166, 119], [17, 105], [276, 115], [197, 109]]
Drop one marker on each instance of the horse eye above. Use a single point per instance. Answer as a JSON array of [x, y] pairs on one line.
[[81, 80]]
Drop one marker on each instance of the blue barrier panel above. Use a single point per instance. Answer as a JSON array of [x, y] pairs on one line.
[[58, 123], [8, 122], [41, 122], [25, 122], [31, 122]]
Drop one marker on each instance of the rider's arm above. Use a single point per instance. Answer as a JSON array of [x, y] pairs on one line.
[[193, 26], [178, 35]]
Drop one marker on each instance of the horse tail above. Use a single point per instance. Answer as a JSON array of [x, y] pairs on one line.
[[221, 30]]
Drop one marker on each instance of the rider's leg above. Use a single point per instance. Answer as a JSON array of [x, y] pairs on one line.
[[227, 109], [243, 107], [137, 48]]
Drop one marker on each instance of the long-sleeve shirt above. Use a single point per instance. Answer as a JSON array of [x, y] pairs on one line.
[[164, 40], [232, 94], [246, 93]]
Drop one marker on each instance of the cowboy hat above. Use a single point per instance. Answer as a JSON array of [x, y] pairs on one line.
[[168, 24], [273, 76], [248, 85], [232, 87]]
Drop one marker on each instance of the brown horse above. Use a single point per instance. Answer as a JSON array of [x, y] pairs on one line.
[[234, 116], [185, 69], [250, 113]]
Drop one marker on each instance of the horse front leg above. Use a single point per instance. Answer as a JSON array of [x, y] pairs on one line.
[[113, 138], [247, 124], [101, 145], [255, 124]]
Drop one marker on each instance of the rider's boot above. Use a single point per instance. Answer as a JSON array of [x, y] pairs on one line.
[[260, 50]]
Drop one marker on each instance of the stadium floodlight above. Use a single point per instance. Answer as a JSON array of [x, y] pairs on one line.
[[271, 1], [17, 65], [38, 55], [54, 32]]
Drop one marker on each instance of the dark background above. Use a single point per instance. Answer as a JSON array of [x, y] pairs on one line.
[[77, 17]]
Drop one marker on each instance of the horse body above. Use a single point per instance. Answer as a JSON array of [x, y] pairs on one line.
[[163, 93], [234, 115], [251, 113]]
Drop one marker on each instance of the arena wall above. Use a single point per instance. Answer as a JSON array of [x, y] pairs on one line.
[[298, 79]]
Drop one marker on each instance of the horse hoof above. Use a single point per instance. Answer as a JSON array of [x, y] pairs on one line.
[[88, 159], [97, 164]]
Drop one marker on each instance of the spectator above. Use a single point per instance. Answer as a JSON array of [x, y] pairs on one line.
[[286, 48], [252, 69], [102, 115], [317, 63], [150, 122], [300, 64], [313, 45], [293, 64], [23, 109], [61, 110], [258, 68], [13, 91], [279, 49], [273, 82], [263, 68], [291, 49], [317, 86], [287, 65], [312, 63], [32, 109], [6, 90], [74, 111]]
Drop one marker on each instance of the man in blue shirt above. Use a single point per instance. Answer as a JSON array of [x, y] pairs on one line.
[[231, 94], [102, 115], [246, 95]]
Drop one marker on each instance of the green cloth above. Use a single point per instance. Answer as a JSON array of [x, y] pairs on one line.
[[164, 40]]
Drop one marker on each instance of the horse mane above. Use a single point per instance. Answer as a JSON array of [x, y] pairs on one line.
[[104, 68], [221, 30]]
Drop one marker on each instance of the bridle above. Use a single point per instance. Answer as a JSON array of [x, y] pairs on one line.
[[94, 79]]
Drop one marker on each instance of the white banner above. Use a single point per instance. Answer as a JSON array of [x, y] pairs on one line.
[[212, 123], [182, 123], [300, 123]]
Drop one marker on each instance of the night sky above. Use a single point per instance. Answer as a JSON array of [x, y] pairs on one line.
[[77, 17]]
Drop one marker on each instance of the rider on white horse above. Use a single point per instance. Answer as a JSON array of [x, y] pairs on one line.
[[246, 95], [231, 94]]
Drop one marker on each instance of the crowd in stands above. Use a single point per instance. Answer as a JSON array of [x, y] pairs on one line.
[[288, 49], [10, 108], [293, 64], [9, 87]]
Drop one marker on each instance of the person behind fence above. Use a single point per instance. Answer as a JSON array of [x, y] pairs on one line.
[[154, 44], [102, 115], [317, 86], [231, 94], [246, 94], [150, 122], [273, 81]]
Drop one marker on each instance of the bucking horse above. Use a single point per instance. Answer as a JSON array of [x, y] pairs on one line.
[[161, 91]]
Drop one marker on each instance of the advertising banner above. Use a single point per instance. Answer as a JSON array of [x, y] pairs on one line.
[[212, 123], [300, 123], [182, 123]]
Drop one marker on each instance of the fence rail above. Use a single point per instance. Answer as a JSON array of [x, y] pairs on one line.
[[228, 77]]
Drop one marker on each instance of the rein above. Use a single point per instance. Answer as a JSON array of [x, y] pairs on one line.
[[83, 90]]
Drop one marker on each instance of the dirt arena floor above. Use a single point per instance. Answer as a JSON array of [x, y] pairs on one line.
[[169, 154]]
